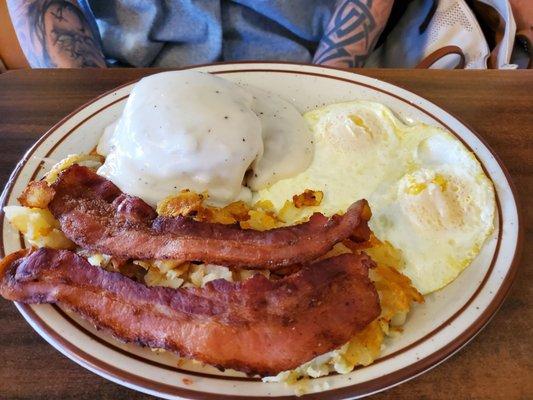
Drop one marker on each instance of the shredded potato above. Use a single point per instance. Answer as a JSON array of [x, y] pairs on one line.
[[295, 211], [37, 195], [191, 204], [186, 203], [261, 221], [38, 226], [308, 198], [261, 216], [175, 274], [383, 253], [97, 259], [92, 161], [33, 219]]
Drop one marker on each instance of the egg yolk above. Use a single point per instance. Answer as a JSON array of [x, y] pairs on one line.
[[430, 204]]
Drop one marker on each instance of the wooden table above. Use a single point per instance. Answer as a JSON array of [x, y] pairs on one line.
[[497, 104]]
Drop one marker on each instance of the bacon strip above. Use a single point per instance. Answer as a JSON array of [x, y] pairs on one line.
[[96, 215], [257, 326]]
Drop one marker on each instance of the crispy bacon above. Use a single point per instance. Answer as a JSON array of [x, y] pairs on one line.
[[257, 326], [96, 215]]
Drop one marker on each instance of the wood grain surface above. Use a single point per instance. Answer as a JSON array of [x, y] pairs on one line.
[[497, 104]]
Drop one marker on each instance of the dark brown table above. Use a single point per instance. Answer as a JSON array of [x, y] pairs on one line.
[[497, 104]]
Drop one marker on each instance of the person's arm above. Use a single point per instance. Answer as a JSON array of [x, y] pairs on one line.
[[54, 33], [352, 32]]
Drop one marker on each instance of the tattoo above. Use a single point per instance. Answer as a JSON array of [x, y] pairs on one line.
[[59, 35], [352, 33], [59, 14]]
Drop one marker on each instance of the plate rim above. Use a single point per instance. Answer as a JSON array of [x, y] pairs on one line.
[[371, 386]]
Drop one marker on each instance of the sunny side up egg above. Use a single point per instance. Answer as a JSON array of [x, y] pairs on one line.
[[429, 195]]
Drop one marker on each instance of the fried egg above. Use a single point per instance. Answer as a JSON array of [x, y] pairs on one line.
[[428, 193]]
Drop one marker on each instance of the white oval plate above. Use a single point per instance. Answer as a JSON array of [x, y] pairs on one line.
[[434, 331]]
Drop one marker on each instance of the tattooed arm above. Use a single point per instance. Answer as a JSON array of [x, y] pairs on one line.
[[352, 32], [54, 33]]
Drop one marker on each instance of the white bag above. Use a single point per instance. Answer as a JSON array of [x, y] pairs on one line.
[[501, 56], [434, 34]]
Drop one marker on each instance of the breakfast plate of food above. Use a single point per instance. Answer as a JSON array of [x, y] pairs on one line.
[[258, 230]]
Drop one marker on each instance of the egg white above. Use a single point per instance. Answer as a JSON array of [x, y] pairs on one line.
[[429, 195]]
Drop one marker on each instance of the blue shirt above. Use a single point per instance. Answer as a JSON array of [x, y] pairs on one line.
[[171, 33]]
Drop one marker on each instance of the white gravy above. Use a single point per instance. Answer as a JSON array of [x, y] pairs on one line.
[[192, 130]]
